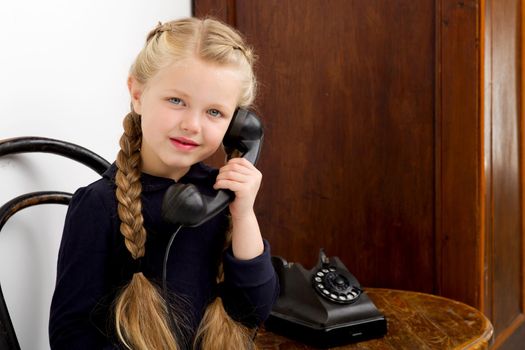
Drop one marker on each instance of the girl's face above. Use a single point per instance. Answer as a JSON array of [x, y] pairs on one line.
[[186, 109]]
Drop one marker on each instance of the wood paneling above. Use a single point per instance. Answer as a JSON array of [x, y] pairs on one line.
[[503, 125], [393, 140], [347, 101], [220, 9], [505, 162], [458, 149]]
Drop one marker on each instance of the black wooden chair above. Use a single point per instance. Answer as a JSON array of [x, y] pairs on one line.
[[8, 338]]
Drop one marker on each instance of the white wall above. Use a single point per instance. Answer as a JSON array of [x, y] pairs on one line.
[[63, 70]]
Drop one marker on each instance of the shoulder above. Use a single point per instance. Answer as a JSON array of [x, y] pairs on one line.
[[91, 221], [95, 199], [101, 189], [100, 192]]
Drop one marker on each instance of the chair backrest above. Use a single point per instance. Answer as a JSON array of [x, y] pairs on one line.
[[8, 338]]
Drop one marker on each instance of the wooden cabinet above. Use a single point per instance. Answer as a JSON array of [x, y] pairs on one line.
[[394, 140]]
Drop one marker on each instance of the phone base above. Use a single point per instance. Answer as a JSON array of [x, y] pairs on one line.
[[323, 307], [318, 337]]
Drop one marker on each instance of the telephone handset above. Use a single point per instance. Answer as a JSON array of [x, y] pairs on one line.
[[184, 205]]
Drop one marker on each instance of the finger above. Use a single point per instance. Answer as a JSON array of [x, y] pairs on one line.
[[231, 185], [233, 176], [241, 161], [236, 167]]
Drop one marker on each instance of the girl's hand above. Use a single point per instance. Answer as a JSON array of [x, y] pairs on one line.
[[243, 178]]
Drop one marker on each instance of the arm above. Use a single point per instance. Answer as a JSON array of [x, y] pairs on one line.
[[82, 275], [241, 177], [250, 285]]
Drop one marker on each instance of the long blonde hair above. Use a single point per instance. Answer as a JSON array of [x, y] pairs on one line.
[[142, 315]]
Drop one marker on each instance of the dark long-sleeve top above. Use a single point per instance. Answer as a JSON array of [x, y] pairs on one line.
[[94, 263]]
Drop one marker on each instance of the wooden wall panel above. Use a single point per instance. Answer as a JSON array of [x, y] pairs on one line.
[[505, 163], [487, 202], [505, 295], [225, 10], [458, 152], [348, 103]]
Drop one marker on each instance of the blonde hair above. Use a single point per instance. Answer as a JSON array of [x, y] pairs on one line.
[[142, 315]]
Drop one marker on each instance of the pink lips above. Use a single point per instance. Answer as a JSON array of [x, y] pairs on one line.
[[183, 143]]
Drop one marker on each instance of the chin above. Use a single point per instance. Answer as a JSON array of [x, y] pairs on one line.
[[180, 162]]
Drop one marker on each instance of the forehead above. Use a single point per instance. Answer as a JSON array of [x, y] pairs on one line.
[[200, 81]]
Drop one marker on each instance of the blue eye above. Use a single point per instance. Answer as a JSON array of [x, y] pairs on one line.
[[176, 101], [214, 113]]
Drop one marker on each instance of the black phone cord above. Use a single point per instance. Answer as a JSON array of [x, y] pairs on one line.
[[164, 277]]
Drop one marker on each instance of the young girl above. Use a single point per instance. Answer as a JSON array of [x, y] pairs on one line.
[[185, 86]]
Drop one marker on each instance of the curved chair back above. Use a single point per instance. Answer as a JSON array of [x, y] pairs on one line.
[[8, 338]]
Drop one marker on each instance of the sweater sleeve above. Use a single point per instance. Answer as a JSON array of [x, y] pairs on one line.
[[250, 287], [82, 275]]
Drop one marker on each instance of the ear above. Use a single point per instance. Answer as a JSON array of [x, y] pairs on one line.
[[135, 91]]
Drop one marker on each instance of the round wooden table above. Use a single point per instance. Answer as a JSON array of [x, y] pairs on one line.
[[416, 321]]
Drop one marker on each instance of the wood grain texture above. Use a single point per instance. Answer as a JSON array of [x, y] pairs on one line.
[[459, 151], [503, 125], [347, 100], [223, 10], [415, 321]]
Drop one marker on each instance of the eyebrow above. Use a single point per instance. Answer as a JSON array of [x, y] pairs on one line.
[[176, 92]]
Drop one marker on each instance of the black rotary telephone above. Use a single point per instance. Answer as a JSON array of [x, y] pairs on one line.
[[184, 205], [323, 307]]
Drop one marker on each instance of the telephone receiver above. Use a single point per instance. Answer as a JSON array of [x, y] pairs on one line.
[[184, 205]]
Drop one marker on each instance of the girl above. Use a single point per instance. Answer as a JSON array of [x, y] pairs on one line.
[[185, 86]]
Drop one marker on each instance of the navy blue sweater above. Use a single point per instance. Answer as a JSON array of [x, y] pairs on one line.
[[93, 264]]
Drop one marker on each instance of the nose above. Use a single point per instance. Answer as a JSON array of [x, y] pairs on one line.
[[190, 122]]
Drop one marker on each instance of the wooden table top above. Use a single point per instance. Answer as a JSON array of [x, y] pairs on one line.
[[415, 321]]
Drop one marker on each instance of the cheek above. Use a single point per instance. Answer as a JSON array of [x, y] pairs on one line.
[[215, 134], [154, 121], [152, 129], [146, 131]]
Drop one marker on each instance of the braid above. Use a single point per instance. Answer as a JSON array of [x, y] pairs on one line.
[[141, 315], [129, 187]]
